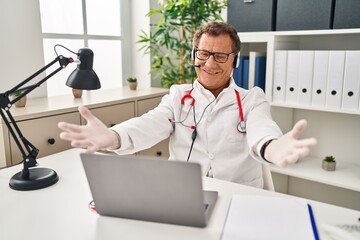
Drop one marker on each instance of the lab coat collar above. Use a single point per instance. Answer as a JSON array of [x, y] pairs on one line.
[[208, 94], [203, 96]]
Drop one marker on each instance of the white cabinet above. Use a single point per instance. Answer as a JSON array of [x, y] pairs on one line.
[[43, 133], [337, 130], [38, 120], [114, 114]]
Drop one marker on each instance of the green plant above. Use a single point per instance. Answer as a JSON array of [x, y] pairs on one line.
[[170, 42], [329, 159], [131, 79], [17, 93]]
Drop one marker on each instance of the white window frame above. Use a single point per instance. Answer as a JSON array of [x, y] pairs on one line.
[[125, 36]]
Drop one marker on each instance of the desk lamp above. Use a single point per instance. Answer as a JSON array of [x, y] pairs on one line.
[[83, 77]]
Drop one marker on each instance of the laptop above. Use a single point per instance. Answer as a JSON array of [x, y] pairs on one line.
[[148, 189]]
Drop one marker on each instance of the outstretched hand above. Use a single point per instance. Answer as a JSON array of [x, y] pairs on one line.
[[288, 148], [93, 136]]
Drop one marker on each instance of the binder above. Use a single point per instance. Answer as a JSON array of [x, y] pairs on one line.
[[279, 76], [292, 76], [351, 89], [260, 72], [257, 69], [321, 62], [238, 73], [258, 217], [245, 73], [305, 79], [335, 79]]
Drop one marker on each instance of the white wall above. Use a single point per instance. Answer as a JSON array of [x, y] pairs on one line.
[[20, 43], [139, 21]]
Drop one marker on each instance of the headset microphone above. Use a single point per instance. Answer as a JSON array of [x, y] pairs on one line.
[[196, 65]]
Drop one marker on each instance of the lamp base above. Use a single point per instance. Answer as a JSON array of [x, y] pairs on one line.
[[39, 178]]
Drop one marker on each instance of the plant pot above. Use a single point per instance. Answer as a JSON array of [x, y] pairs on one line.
[[77, 93], [328, 166], [21, 102], [132, 85]]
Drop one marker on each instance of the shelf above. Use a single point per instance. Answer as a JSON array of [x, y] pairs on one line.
[[265, 35], [314, 108], [346, 175]]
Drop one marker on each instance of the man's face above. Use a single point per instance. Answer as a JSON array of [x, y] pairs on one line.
[[212, 75]]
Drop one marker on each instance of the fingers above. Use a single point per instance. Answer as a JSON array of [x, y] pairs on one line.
[[295, 155], [307, 142], [68, 136], [90, 147], [86, 113], [69, 127], [299, 128]]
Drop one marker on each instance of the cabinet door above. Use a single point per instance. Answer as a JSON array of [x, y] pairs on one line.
[[161, 149], [43, 133], [111, 115]]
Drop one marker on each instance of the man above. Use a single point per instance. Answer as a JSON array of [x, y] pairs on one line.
[[225, 128]]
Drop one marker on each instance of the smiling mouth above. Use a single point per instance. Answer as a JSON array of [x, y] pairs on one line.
[[211, 73]]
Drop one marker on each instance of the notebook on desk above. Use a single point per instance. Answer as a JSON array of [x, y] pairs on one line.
[[268, 217], [148, 189]]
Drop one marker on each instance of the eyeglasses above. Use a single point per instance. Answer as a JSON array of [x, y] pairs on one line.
[[218, 56]]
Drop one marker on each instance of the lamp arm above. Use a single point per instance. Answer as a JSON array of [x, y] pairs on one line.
[[63, 61], [29, 156]]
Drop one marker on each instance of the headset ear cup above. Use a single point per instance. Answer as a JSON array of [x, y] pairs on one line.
[[236, 61], [192, 55]]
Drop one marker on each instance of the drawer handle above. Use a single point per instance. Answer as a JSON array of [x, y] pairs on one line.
[[158, 153], [51, 141]]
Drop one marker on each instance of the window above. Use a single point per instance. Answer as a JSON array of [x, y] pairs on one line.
[[98, 25]]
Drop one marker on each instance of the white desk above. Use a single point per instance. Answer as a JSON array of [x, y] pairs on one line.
[[61, 211]]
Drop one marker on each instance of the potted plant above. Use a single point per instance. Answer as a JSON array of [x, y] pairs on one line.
[[22, 101], [329, 163], [170, 40], [132, 83]]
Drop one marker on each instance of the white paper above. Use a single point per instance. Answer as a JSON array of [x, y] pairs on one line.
[[262, 217]]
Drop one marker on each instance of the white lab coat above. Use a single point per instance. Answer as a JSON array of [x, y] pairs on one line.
[[219, 146]]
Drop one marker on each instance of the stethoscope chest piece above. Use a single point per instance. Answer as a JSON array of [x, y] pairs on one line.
[[241, 127]]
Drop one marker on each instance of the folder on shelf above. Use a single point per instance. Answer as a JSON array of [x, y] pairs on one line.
[[306, 66], [321, 62], [260, 72], [257, 69], [279, 76], [351, 89], [335, 79], [245, 76], [292, 76], [258, 217], [238, 73]]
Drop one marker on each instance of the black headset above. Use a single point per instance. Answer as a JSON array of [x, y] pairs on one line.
[[235, 63]]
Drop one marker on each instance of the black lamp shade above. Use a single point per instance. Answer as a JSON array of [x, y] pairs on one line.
[[84, 77]]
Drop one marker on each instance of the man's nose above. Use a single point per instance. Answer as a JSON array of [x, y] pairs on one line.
[[211, 60]]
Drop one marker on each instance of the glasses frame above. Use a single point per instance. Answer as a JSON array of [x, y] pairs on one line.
[[214, 55]]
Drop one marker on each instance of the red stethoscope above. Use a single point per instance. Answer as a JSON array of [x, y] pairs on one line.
[[241, 127]]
